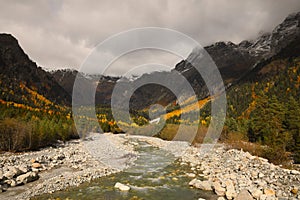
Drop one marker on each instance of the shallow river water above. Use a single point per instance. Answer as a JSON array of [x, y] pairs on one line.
[[155, 175]]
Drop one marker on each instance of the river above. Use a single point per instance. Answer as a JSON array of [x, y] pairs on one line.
[[155, 175]]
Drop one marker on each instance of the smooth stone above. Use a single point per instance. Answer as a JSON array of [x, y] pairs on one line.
[[295, 172], [122, 187], [26, 178], [36, 165], [219, 190], [13, 183], [191, 175], [1, 175], [295, 190], [256, 193], [244, 195], [202, 185], [269, 192]]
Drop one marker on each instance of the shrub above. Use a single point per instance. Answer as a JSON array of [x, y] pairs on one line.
[[14, 135], [276, 155], [21, 135]]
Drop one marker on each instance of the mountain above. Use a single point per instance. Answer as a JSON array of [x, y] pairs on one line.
[[22, 81], [234, 62], [237, 60], [66, 79], [278, 75], [264, 105]]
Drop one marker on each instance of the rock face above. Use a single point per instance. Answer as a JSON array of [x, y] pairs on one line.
[[122, 187], [237, 60]]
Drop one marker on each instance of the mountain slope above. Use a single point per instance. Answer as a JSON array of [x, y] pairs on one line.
[[22, 81], [234, 61]]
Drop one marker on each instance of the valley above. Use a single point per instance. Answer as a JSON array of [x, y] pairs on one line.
[[49, 152]]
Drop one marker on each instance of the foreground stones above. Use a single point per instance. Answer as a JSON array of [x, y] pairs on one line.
[[14, 176], [231, 174], [67, 165], [234, 174], [26, 178], [122, 187], [244, 195]]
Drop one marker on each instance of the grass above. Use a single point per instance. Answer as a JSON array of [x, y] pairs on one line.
[[233, 140]]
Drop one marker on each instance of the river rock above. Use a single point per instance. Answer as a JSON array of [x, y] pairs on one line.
[[1, 189], [244, 195], [26, 178], [36, 165], [256, 193], [219, 190], [261, 175], [13, 183], [191, 175], [230, 194], [12, 172], [23, 169], [269, 192], [295, 190], [192, 182], [1, 175], [295, 172], [122, 187], [266, 197], [202, 185], [230, 190]]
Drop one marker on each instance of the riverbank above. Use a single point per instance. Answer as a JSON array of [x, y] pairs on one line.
[[228, 173], [51, 169]]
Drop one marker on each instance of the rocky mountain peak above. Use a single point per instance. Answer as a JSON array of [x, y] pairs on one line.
[[269, 44], [16, 68], [10, 51], [247, 53]]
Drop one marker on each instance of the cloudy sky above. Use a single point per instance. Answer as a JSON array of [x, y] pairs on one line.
[[61, 34]]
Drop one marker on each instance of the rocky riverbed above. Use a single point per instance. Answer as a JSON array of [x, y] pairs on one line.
[[33, 173], [231, 174], [234, 174]]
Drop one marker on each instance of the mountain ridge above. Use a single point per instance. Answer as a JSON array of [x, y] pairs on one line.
[[18, 69], [234, 61]]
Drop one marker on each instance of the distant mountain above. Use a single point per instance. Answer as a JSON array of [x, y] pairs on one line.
[[22, 81], [279, 76], [237, 60], [234, 61], [105, 84]]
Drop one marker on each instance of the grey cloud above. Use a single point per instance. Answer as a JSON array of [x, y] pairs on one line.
[[61, 34]]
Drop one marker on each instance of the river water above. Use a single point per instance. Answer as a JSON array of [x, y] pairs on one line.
[[155, 175]]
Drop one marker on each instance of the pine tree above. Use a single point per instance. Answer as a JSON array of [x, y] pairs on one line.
[[267, 121], [292, 124]]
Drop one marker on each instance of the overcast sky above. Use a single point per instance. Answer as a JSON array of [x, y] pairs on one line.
[[61, 34]]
